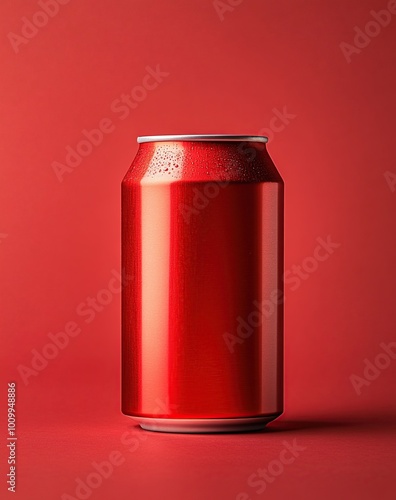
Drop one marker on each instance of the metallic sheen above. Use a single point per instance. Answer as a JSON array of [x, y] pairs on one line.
[[192, 425], [202, 298], [205, 137]]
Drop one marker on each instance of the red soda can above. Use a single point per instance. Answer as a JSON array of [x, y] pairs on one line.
[[202, 308]]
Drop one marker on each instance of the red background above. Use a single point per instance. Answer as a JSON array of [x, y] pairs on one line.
[[60, 241]]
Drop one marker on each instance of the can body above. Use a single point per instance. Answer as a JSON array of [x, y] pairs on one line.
[[202, 301]]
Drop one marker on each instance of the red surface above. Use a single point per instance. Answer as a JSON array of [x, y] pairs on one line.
[[60, 241], [202, 230]]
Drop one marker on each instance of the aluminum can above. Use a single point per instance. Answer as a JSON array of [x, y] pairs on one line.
[[202, 301]]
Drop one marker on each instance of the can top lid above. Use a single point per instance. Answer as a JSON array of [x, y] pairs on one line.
[[204, 137]]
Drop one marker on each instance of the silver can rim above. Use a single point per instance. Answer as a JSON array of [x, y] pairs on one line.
[[202, 138]]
